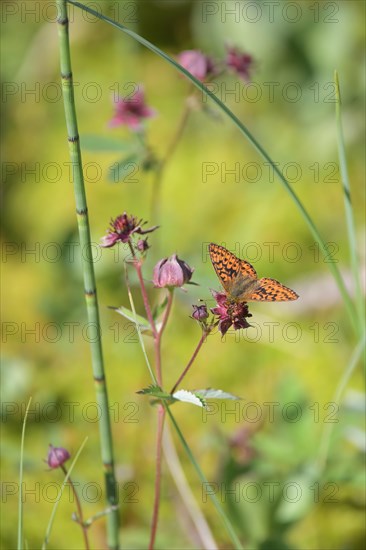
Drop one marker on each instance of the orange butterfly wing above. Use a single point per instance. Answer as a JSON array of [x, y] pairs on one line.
[[231, 270], [270, 290], [227, 266]]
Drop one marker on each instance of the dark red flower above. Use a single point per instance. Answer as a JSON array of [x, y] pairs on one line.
[[171, 272], [230, 313], [57, 456], [239, 61], [131, 111], [122, 228]]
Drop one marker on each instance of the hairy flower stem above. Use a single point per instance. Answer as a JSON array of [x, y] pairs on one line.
[[106, 442], [191, 361], [159, 335], [161, 418], [80, 517]]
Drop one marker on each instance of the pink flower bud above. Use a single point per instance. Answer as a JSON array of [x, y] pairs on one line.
[[57, 456], [171, 272], [199, 65]]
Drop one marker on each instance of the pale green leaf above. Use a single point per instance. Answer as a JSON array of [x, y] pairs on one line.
[[211, 393], [189, 397], [95, 143]]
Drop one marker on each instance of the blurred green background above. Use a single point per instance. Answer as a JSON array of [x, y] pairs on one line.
[[296, 46]]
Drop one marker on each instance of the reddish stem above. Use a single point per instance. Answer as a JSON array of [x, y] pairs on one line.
[[80, 519], [195, 353], [159, 334], [161, 417]]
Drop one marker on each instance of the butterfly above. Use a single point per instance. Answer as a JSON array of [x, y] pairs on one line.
[[240, 281]]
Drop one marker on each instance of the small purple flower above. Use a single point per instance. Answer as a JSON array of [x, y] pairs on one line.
[[239, 61], [199, 65], [200, 313], [122, 228], [131, 111], [171, 272], [230, 313], [57, 456]]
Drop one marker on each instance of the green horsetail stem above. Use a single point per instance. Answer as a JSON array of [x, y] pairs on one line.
[[88, 272]]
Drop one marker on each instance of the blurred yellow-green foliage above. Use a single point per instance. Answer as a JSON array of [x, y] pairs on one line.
[[296, 46]]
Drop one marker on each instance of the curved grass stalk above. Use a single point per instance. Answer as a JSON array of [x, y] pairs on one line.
[[88, 273], [351, 230], [20, 500], [244, 130]]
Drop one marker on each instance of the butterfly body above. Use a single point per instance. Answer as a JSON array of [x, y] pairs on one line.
[[240, 282], [241, 288]]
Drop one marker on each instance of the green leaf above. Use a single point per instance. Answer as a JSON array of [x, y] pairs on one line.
[[298, 499], [158, 309], [151, 390], [210, 393], [180, 395], [136, 319], [125, 170], [156, 391], [104, 143], [189, 397]]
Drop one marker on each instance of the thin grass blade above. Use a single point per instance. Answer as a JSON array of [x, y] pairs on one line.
[[351, 226]]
